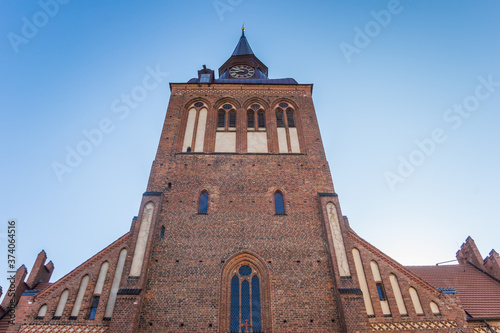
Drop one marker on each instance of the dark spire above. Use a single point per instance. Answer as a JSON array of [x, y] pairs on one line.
[[243, 47]]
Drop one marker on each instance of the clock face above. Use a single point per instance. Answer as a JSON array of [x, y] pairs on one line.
[[241, 72]]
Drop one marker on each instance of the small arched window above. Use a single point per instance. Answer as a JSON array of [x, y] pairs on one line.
[[162, 232], [203, 203], [261, 119], [93, 307], [250, 119], [290, 118], [221, 119], [279, 118], [279, 205]]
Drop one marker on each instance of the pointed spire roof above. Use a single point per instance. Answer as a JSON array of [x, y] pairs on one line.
[[243, 47]]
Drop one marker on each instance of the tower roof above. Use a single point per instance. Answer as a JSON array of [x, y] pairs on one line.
[[243, 47]]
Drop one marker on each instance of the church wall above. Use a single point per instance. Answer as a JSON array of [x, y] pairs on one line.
[[183, 292]]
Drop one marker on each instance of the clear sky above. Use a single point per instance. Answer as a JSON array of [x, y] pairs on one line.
[[407, 94]]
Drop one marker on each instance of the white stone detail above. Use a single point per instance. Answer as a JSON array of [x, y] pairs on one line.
[[62, 303], [397, 294], [416, 301], [79, 297], [188, 133], [102, 276], [116, 284], [225, 142], [142, 240], [362, 282], [43, 311], [338, 241], [294, 140], [200, 130], [257, 142], [282, 140], [434, 308]]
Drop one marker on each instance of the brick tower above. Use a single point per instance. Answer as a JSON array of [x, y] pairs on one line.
[[236, 184], [240, 230]]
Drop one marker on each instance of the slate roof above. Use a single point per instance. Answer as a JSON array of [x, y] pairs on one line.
[[243, 47], [254, 81], [479, 293]]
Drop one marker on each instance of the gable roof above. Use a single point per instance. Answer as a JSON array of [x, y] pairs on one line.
[[479, 292]]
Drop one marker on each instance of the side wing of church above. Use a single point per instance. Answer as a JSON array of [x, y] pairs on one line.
[[240, 230]]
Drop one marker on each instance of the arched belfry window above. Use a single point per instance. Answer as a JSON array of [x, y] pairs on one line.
[[221, 119], [261, 116], [250, 120], [280, 122], [290, 119], [203, 203], [226, 118], [232, 119], [279, 204], [246, 305]]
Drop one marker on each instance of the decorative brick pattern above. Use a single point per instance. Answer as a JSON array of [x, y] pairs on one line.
[[486, 329], [62, 329], [414, 325]]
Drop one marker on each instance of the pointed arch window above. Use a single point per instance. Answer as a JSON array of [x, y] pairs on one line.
[[279, 205], [290, 118], [250, 120], [221, 119], [203, 203], [232, 119], [279, 118], [261, 119], [245, 301]]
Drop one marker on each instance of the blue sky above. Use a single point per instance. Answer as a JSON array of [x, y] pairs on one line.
[[390, 78]]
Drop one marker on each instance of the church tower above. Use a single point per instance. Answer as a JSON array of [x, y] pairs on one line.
[[240, 194], [239, 230]]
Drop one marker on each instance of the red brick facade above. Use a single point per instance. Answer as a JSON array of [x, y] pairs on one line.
[[184, 260]]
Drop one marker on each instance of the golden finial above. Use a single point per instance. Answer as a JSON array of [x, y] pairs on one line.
[[243, 27]]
